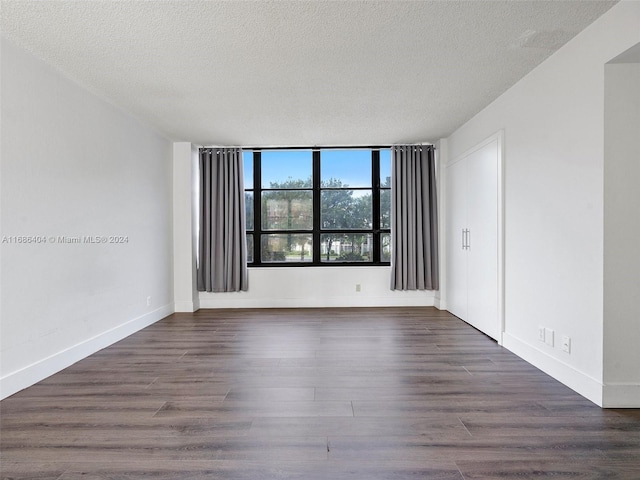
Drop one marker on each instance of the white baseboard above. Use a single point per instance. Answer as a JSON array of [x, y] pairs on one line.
[[27, 376], [578, 381], [437, 303], [185, 306], [621, 395]]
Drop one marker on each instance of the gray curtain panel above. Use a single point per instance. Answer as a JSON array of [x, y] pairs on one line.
[[222, 265], [414, 218]]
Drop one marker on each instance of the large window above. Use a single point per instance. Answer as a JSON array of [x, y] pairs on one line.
[[318, 206]]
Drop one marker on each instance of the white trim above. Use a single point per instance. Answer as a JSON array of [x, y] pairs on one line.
[[621, 395], [502, 327], [495, 137], [27, 376], [578, 381]]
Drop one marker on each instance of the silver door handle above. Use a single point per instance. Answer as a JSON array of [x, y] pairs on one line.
[[468, 239]]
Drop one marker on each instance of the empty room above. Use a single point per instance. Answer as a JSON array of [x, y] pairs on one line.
[[351, 239]]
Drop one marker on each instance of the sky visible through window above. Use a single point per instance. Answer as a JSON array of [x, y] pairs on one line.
[[247, 160], [279, 166], [352, 167], [385, 167]]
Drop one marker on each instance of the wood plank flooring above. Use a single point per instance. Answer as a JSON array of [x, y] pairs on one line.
[[342, 394]]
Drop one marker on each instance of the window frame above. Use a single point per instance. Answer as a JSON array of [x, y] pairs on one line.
[[316, 232]]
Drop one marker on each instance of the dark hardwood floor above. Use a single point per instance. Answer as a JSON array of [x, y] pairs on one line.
[[381, 393]]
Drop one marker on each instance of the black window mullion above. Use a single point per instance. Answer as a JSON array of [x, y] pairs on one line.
[[257, 208], [375, 204], [316, 208]]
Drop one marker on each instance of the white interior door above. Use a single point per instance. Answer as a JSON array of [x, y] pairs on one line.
[[482, 221], [456, 205]]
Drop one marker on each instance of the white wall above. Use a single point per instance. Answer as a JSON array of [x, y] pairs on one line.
[[74, 165], [442, 155], [282, 287], [185, 181], [553, 124], [317, 287], [622, 233]]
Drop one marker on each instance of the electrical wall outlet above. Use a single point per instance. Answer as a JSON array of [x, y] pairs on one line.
[[566, 344], [358, 287], [148, 301], [541, 333], [548, 336]]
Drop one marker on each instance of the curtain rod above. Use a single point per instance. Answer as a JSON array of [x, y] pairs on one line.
[[320, 147]]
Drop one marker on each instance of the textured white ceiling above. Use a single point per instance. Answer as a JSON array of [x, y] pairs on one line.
[[298, 72]]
